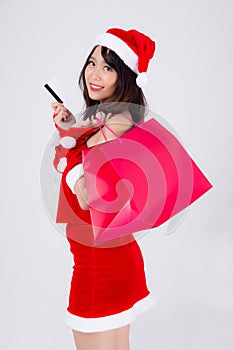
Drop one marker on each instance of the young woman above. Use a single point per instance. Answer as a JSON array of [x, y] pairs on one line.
[[108, 287]]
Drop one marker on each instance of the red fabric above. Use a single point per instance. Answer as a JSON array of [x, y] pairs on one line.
[[68, 209], [80, 134], [105, 281], [141, 44]]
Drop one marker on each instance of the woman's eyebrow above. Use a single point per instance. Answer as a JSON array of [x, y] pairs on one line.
[[94, 59]]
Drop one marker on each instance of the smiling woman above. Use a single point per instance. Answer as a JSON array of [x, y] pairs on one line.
[[126, 88], [105, 296], [100, 78]]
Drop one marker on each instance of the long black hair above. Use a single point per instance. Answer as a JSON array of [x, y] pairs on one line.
[[127, 95]]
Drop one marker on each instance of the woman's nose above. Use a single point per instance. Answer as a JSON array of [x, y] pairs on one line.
[[96, 74]]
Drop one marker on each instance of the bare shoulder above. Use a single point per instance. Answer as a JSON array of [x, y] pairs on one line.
[[118, 123]]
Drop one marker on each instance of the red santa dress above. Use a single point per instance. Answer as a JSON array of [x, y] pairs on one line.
[[108, 287]]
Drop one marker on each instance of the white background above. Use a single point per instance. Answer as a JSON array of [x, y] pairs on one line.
[[190, 272]]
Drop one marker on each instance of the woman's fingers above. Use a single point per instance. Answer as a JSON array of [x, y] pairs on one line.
[[62, 116], [108, 116], [94, 120], [103, 117], [62, 112], [54, 105], [59, 107], [99, 115]]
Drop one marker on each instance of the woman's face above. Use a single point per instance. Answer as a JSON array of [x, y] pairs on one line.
[[100, 78]]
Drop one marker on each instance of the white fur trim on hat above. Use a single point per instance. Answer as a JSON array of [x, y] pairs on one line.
[[120, 48], [73, 175]]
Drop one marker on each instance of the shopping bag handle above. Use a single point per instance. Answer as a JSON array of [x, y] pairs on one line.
[[100, 123]]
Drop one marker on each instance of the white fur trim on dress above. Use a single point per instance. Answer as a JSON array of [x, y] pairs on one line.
[[100, 324], [120, 48], [73, 175]]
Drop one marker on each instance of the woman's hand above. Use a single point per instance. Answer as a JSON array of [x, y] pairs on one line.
[[64, 118], [91, 122]]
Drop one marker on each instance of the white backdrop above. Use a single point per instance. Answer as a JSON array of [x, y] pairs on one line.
[[190, 272]]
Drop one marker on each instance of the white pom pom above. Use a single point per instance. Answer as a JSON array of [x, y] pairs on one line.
[[68, 141], [142, 79], [62, 164]]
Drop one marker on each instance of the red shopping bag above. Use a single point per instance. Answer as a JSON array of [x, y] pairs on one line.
[[139, 181]]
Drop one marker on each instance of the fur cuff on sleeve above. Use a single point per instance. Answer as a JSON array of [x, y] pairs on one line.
[[73, 175]]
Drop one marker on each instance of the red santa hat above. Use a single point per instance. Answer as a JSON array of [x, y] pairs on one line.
[[134, 48]]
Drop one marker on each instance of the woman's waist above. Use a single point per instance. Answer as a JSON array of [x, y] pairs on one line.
[[79, 234]]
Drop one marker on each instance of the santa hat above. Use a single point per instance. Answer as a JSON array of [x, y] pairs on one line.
[[134, 48]]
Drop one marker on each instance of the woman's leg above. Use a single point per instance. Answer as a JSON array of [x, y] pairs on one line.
[[122, 342], [114, 339], [95, 341]]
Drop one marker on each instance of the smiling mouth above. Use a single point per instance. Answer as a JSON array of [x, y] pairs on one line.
[[94, 87]]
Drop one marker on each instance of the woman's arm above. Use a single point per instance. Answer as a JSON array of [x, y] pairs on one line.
[[81, 193], [119, 124], [75, 181]]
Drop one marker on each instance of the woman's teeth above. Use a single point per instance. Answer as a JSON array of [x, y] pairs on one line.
[[96, 87]]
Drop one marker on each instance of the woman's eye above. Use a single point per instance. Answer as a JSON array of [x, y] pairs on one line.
[[107, 68], [91, 63]]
